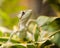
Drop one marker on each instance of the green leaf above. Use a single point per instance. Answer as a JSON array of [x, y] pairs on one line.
[[30, 46], [37, 34], [2, 39], [44, 20], [48, 44], [45, 44], [18, 46], [52, 26]]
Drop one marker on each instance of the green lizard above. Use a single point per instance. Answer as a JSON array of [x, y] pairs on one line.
[[23, 19]]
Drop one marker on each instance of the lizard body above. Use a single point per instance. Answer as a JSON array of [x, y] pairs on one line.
[[23, 19]]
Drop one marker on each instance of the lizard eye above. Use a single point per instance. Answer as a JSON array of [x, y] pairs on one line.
[[21, 14]]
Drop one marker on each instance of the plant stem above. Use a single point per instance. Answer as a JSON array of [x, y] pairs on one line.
[[54, 33]]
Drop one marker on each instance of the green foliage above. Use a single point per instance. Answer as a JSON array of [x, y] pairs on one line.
[[51, 25], [48, 24], [18, 46], [37, 33]]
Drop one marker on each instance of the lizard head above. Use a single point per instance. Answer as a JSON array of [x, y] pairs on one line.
[[24, 14]]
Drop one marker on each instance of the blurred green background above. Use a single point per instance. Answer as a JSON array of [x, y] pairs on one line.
[[9, 9]]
